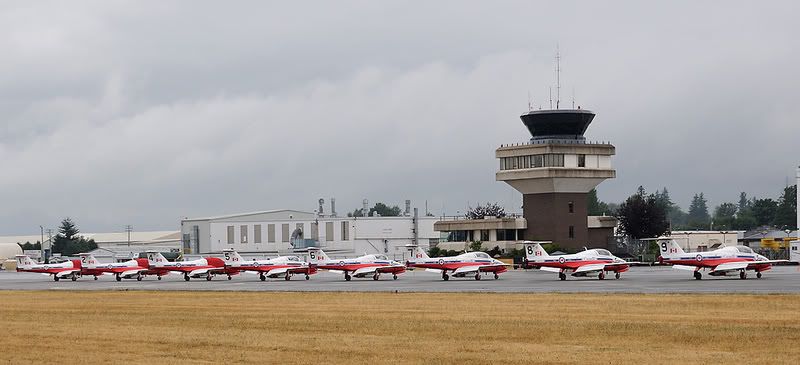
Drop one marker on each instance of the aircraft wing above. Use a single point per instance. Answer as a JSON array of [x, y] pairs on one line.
[[466, 269], [393, 268], [64, 273], [550, 269], [131, 272], [365, 270], [685, 267], [278, 271], [590, 268], [728, 266], [199, 271]]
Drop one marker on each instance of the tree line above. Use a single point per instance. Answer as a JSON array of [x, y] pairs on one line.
[[67, 242], [644, 215]]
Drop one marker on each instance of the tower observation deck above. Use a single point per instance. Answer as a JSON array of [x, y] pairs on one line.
[[554, 171]]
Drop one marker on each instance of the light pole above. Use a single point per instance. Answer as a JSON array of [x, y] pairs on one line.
[[786, 242], [41, 244]]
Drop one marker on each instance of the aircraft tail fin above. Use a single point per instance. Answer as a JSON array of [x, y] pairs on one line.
[[232, 258], [316, 255], [156, 258], [417, 252], [670, 248], [534, 251], [24, 262], [88, 260]]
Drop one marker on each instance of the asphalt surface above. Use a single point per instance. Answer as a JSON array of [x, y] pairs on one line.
[[781, 279]]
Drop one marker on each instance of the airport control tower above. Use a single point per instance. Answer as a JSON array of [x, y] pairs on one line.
[[554, 171]]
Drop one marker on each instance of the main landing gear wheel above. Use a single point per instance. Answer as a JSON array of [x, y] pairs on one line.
[[73, 278], [262, 277], [347, 277], [496, 276], [186, 277], [698, 275], [758, 275], [229, 277], [601, 276], [287, 277], [208, 277], [307, 277], [159, 277], [376, 276], [562, 276], [119, 278], [55, 278], [394, 276], [139, 277], [478, 276], [95, 277], [742, 275], [445, 277]]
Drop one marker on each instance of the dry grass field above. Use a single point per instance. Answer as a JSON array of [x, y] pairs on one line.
[[375, 328]]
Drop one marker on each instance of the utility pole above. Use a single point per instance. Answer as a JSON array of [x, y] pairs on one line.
[[41, 244], [129, 229]]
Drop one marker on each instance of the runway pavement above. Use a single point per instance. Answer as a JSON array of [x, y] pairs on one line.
[[782, 279]]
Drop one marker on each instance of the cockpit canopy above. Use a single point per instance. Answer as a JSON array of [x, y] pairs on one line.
[[482, 255], [602, 252], [381, 257], [744, 249], [292, 258]]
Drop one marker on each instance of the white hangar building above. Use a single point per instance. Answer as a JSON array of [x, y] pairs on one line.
[[291, 231]]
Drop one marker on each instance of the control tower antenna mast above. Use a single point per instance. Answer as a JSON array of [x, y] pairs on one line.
[[529, 101], [558, 77], [551, 97]]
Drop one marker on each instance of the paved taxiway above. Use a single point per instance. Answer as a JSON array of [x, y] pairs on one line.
[[782, 279]]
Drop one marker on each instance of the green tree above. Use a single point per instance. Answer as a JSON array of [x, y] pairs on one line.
[[677, 218], [487, 210], [786, 213], [698, 212], [744, 204], [68, 243], [725, 216], [595, 206], [30, 246], [475, 246], [764, 211], [380, 208], [642, 216]]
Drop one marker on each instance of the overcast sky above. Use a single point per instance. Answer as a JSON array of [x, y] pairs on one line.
[[140, 113]]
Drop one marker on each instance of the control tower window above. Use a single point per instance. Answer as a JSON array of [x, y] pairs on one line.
[[571, 207], [571, 231], [581, 160]]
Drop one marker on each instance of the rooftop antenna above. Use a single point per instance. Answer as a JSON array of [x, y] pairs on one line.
[[558, 76], [551, 97], [573, 97], [529, 101]]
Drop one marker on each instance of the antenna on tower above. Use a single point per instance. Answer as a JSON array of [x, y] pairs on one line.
[[529, 101], [573, 97], [558, 76], [551, 97]]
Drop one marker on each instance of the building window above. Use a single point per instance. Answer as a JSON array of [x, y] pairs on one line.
[[571, 207], [285, 232], [581, 160], [187, 241], [571, 231], [230, 235], [345, 231], [257, 233], [457, 236], [243, 234], [315, 231], [270, 233], [484, 235], [329, 231]]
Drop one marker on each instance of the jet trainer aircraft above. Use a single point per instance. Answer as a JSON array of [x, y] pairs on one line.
[[282, 266], [590, 262], [721, 262], [130, 269], [201, 268], [65, 270], [460, 266], [359, 267]]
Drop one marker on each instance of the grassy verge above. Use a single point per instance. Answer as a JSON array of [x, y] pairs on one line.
[[361, 328]]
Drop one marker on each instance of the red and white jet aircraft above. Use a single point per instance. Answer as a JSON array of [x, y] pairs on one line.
[[460, 266], [362, 266], [589, 262], [65, 270], [282, 266], [721, 262], [201, 268], [131, 269]]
